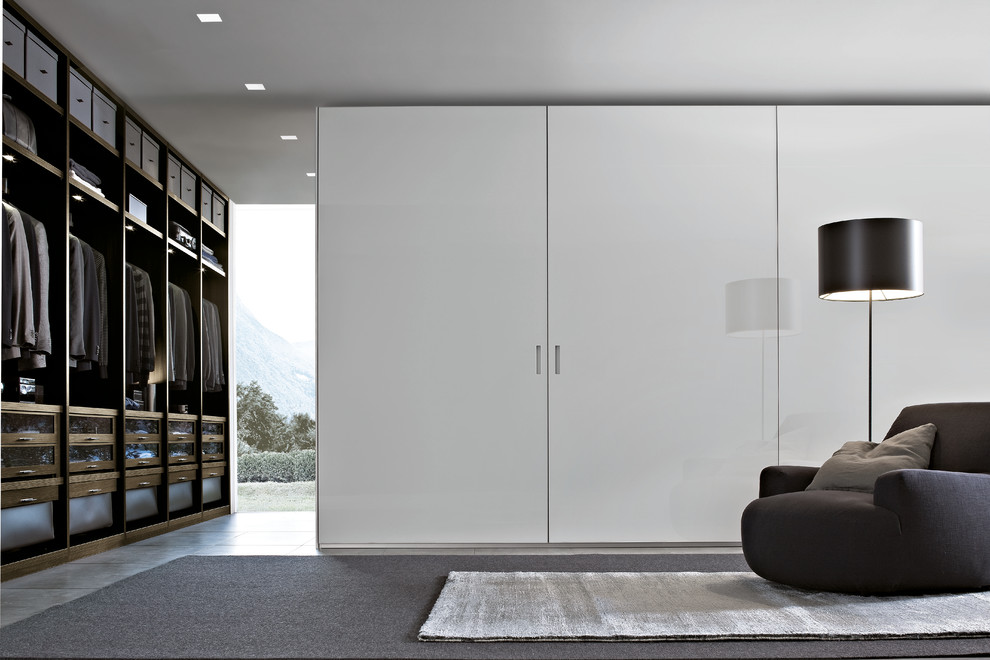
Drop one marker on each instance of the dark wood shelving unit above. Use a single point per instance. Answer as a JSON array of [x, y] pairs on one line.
[[34, 158], [94, 443]]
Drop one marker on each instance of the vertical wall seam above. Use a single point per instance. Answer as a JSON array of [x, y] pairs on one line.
[[546, 159], [776, 167]]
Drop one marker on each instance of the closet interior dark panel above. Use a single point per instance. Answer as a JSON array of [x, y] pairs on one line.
[[104, 441]]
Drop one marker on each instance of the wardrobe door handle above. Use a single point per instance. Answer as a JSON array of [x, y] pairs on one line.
[[556, 359], [539, 360]]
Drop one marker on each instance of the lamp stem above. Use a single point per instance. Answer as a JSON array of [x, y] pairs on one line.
[[869, 415]]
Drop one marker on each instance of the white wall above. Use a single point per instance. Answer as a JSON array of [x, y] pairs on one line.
[[930, 163]]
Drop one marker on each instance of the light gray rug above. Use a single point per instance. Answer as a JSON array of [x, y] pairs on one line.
[[491, 607]]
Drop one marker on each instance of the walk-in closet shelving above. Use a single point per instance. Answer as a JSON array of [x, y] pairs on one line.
[[104, 442]]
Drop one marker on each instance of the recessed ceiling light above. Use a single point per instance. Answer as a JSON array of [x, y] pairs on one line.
[[310, 173], [255, 87], [9, 157], [209, 18], [78, 198], [290, 137]]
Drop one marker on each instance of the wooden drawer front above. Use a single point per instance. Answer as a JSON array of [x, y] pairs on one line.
[[29, 426], [142, 451], [91, 456], [142, 481], [31, 458], [179, 477], [212, 448], [181, 450], [209, 471], [28, 496], [87, 488], [211, 427], [181, 427], [92, 428]]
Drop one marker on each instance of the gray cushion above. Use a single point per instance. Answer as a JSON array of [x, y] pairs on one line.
[[857, 465]]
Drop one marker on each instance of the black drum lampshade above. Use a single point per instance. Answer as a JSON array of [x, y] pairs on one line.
[[870, 259]]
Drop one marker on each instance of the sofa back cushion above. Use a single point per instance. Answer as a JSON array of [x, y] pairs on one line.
[[856, 465], [962, 441]]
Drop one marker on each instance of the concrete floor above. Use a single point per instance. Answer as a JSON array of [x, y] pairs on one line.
[[238, 534]]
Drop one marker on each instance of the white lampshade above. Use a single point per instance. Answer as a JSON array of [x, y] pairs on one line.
[[751, 307]]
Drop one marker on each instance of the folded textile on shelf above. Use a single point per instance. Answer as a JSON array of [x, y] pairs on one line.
[[80, 172]]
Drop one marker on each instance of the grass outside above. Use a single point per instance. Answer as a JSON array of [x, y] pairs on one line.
[[274, 496]]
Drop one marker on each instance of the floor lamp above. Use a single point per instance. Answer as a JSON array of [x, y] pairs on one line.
[[870, 259]]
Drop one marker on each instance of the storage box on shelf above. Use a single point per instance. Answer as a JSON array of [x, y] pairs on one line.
[[90, 458]]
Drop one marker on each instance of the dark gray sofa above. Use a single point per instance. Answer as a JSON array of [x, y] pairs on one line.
[[920, 530]]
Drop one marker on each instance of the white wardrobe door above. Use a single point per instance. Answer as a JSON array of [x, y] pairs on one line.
[[659, 422], [929, 163], [432, 301]]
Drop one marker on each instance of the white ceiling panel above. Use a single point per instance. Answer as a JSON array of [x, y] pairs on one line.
[[186, 78]]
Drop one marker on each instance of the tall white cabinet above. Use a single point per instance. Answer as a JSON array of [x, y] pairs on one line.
[[655, 416], [432, 288], [449, 412]]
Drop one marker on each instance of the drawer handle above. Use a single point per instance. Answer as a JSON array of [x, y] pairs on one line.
[[143, 462], [90, 467], [95, 490], [26, 471], [25, 439], [213, 474], [92, 439], [182, 460], [144, 483], [43, 70], [183, 478], [25, 500]]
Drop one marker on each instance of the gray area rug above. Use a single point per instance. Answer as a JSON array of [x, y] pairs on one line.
[[568, 606], [363, 607]]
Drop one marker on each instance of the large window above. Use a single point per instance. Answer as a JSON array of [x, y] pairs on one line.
[[275, 308]]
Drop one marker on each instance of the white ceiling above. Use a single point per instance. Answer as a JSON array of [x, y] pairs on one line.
[[187, 78]]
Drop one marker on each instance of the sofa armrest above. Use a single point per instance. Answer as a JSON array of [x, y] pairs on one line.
[[778, 479], [935, 498], [945, 522]]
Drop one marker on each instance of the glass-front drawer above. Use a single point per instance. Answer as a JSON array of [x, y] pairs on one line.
[[91, 428], [181, 427], [142, 426], [213, 428], [182, 451], [212, 451], [33, 425], [142, 454], [90, 457], [28, 459]]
